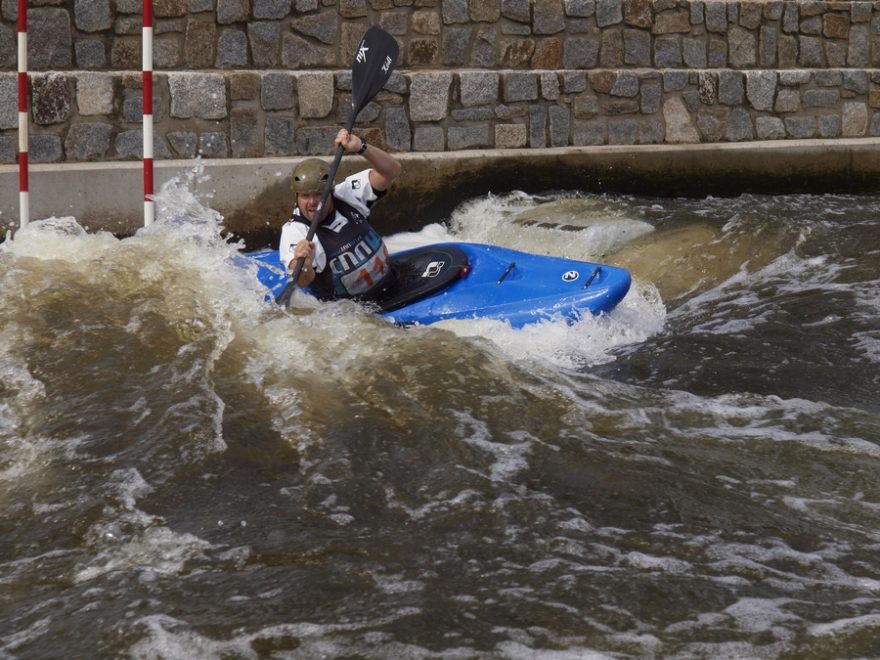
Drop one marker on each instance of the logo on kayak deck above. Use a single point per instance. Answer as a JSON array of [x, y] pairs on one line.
[[570, 276], [434, 269]]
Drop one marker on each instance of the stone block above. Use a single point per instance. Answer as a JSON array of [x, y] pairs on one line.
[[517, 53], [44, 148], [244, 86], [761, 89], [510, 136], [397, 22], [787, 100], [452, 52], [821, 98], [739, 126], [651, 131], [425, 53], [519, 87], [8, 100], [694, 53], [125, 53], [423, 21], [315, 94], [232, 50], [548, 17], [667, 52], [455, 11], [166, 53], [232, 11], [680, 128], [212, 144], [129, 145], [769, 128], [485, 11], [271, 9], [707, 87], [323, 26], [478, 87], [835, 26], [183, 143], [50, 98], [537, 126], [276, 91], [580, 53], [611, 49], [88, 141], [315, 141], [581, 8], [353, 8], [549, 85], [264, 38], [8, 47], [517, 10], [298, 53], [170, 8], [829, 126], [429, 95], [716, 16], [855, 119], [636, 47], [94, 93], [672, 21], [731, 90], [800, 128], [50, 43], [279, 136], [429, 138], [608, 12], [548, 54], [198, 43], [587, 133], [197, 95], [92, 15], [485, 49], [559, 118], [397, 129], [468, 137], [244, 132]]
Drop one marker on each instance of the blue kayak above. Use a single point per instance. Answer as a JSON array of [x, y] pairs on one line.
[[469, 281]]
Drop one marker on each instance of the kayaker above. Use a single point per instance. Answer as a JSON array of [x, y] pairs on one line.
[[348, 258]]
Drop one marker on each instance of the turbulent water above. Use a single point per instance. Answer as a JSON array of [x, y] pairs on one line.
[[187, 471]]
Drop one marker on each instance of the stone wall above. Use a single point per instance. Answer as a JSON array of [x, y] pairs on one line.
[[255, 78]]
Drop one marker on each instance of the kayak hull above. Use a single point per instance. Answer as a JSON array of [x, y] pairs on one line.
[[497, 283]]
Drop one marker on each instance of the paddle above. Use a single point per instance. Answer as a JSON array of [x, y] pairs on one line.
[[371, 69]]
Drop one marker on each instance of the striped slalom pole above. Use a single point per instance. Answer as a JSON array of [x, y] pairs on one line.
[[23, 194], [147, 102]]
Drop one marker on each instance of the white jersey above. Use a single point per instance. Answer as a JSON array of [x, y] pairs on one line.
[[354, 190]]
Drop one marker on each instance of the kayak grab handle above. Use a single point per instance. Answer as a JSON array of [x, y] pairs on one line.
[[592, 277], [506, 272]]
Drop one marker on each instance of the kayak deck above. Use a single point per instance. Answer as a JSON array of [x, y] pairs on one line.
[[468, 280]]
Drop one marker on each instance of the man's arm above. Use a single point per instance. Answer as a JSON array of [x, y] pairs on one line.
[[385, 168]]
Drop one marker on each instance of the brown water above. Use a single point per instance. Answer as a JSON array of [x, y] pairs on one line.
[[187, 472]]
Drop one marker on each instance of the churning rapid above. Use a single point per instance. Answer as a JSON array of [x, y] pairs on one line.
[[188, 471]]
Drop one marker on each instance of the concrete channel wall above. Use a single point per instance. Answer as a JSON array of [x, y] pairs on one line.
[[255, 80]]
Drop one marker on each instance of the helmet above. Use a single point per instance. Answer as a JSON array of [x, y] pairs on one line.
[[310, 176]]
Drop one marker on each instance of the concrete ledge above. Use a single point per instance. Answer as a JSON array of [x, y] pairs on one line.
[[253, 195]]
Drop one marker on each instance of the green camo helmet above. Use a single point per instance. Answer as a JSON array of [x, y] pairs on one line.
[[310, 176]]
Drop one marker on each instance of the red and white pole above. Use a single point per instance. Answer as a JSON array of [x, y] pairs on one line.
[[23, 198], [147, 102]]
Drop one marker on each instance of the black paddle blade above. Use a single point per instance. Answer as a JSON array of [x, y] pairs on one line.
[[373, 63]]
